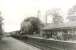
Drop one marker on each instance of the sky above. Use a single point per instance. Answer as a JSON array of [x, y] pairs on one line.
[[14, 11]]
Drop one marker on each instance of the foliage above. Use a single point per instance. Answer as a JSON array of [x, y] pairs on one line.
[[71, 13], [57, 18], [31, 25], [26, 27]]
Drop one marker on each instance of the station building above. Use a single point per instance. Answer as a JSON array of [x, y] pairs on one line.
[[64, 31]]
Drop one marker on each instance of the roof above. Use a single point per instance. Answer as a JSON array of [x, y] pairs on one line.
[[67, 25]]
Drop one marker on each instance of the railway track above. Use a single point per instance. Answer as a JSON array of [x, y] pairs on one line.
[[40, 45], [45, 44]]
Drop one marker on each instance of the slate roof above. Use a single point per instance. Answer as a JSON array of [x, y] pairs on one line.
[[67, 25]]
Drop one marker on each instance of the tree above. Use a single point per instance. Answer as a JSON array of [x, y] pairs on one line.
[[57, 18], [31, 25], [72, 13], [55, 13], [26, 27], [1, 19]]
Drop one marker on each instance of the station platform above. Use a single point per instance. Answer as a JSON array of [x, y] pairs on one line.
[[9, 43]]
